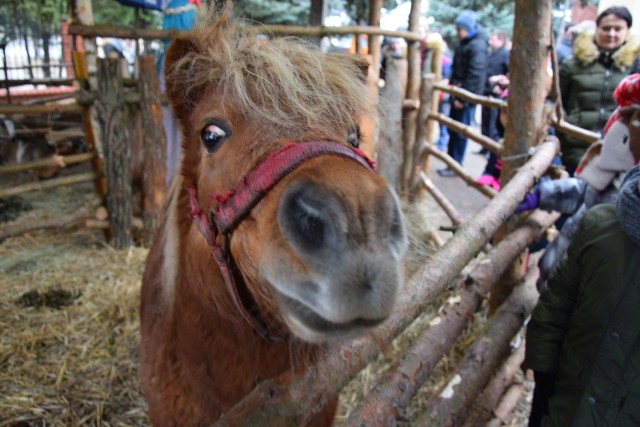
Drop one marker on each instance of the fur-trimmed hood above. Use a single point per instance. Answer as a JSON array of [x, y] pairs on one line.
[[586, 51]]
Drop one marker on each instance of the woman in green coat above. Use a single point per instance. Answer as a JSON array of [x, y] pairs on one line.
[[587, 79]]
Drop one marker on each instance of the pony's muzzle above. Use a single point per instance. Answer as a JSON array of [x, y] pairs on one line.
[[350, 259]]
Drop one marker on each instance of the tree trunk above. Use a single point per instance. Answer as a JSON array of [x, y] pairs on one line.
[[46, 38], [316, 16], [155, 147], [390, 142], [111, 109], [526, 119]]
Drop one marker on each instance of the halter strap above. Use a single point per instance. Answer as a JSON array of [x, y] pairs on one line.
[[236, 204]]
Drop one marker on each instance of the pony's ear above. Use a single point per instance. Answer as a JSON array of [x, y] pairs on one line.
[[178, 92], [362, 64]]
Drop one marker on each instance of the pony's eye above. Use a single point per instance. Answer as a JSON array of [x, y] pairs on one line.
[[212, 137], [353, 137]]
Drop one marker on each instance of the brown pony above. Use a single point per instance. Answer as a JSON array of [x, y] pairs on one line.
[[277, 238]]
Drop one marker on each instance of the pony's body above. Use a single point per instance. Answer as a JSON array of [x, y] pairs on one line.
[[316, 260]]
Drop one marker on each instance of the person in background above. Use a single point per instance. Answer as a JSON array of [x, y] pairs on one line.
[[564, 46], [583, 339], [468, 71], [444, 105], [635, 67], [587, 79], [497, 70]]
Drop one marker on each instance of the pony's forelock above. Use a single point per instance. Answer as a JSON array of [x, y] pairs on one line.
[[284, 82]]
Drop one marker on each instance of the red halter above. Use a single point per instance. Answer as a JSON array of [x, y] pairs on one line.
[[235, 205]]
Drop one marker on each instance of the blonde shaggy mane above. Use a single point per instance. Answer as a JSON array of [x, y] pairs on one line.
[[285, 82]]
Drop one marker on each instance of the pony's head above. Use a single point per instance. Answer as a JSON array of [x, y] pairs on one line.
[[321, 248]]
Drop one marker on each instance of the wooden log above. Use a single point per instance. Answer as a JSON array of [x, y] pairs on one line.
[[375, 41], [156, 34], [410, 117], [482, 358], [117, 152], [421, 139], [53, 134], [390, 141], [155, 148], [526, 127], [46, 82], [16, 228], [483, 409], [458, 92], [459, 170], [34, 110], [46, 163], [573, 130], [45, 185], [506, 404], [441, 200], [294, 399], [468, 132], [402, 380], [136, 222]]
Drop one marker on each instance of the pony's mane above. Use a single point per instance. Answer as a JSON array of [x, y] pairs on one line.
[[285, 82]]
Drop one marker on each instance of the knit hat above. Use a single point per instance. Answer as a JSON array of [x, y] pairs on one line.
[[466, 20]]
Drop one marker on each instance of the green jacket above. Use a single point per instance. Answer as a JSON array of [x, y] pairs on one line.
[[586, 327], [587, 81]]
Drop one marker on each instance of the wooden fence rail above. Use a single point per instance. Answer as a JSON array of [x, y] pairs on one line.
[[558, 124], [46, 163], [44, 185], [156, 34]]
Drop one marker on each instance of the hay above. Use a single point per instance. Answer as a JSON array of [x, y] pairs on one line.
[[74, 363]]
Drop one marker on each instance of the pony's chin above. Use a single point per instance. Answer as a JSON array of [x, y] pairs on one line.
[[310, 326], [303, 332]]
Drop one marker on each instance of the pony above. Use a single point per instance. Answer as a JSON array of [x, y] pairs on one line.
[[277, 238]]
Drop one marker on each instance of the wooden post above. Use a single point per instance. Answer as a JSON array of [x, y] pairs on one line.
[[422, 136], [390, 142], [155, 147], [111, 109], [375, 41], [410, 117], [526, 118]]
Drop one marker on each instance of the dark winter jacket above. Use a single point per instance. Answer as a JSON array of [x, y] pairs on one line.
[[586, 326], [469, 69], [635, 67], [587, 81], [497, 63]]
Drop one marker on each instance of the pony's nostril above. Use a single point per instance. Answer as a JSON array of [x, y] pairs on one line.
[[306, 222], [304, 219]]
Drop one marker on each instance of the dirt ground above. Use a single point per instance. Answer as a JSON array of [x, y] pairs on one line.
[[69, 325]]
